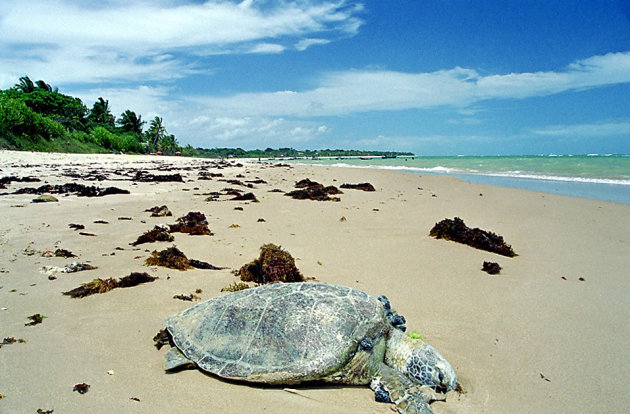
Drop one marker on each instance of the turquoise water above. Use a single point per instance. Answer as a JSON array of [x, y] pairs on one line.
[[600, 177]]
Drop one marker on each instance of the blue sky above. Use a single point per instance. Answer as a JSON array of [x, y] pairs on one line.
[[434, 77]]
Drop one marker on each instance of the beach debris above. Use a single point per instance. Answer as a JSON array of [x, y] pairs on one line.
[[80, 190], [105, 285], [360, 186], [145, 176], [491, 268], [235, 287], [45, 198], [101, 222], [125, 218], [343, 218], [76, 226], [71, 268], [162, 338], [198, 264], [261, 220], [543, 377], [455, 230], [312, 190], [110, 372], [245, 197], [11, 340], [64, 253], [134, 399], [273, 265], [35, 319], [81, 388], [173, 258], [10, 179], [188, 298], [205, 175], [82, 233], [161, 232], [234, 226], [43, 411], [581, 279], [238, 182], [193, 223], [159, 211]]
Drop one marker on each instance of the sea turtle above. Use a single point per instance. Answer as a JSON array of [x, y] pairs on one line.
[[285, 333]]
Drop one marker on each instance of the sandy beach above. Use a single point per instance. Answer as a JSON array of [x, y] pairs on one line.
[[548, 334]]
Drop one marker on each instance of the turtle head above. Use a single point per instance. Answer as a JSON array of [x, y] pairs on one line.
[[420, 362]]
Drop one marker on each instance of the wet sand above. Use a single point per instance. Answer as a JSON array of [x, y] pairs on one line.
[[548, 334]]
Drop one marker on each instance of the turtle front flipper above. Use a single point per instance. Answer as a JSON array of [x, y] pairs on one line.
[[175, 359], [390, 385]]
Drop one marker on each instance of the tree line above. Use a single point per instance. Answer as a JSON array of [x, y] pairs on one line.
[[36, 116]]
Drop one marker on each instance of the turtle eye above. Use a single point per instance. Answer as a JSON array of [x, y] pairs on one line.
[[440, 376]]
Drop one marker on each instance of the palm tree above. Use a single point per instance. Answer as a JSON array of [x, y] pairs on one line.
[[100, 113], [40, 84], [156, 131], [25, 85], [168, 144], [130, 122]]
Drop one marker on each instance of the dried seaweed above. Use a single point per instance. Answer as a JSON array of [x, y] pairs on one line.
[[245, 197], [361, 186], [81, 388], [64, 253], [159, 211], [491, 268], [35, 319], [173, 258], [72, 188], [198, 264], [11, 340], [193, 223], [158, 233], [235, 287], [455, 230], [187, 298], [76, 226], [105, 285], [273, 265], [144, 176]]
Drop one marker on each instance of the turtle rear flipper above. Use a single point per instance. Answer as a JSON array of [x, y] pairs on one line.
[[175, 359], [392, 386]]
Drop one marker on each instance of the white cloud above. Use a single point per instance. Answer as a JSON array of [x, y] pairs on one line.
[[342, 93], [69, 41], [586, 130]]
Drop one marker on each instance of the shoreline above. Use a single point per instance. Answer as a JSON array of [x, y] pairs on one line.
[[542, 336]]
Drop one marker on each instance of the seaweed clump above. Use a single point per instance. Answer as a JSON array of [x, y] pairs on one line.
[[105, 285], [35, 319], [68, 188], [193, 223], [235, 287], [173, 258], [158, 233], [491, 268], [159, 211], [361, 186], [163, 337], [273, 265], [312, 190], [455, 230]]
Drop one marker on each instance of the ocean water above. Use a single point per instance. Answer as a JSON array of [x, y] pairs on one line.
[[599, 177]]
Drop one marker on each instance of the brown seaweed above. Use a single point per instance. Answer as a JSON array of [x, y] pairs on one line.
[[491, 268], [455, 230], [245, 197], [235, 287], [35, 319], [105, 285], [64, 253], [11, 340], [361, 186], [173, 258], [144, 176], [76, 226], [159, 211], [72, 188], [187, 298], [158, 233], [193, 223], [198, 264], [81, 388], [273, 265]]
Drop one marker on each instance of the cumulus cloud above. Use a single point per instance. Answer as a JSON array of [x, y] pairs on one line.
[[354, 91], [119, 40]]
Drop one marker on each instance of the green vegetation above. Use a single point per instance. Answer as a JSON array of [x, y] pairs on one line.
[[34, 116]]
